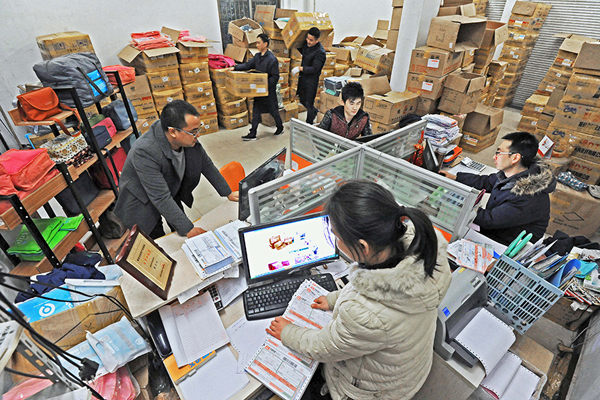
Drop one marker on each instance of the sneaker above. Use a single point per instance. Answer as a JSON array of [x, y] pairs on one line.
[[279, 132], [248, 137], [594, 191]]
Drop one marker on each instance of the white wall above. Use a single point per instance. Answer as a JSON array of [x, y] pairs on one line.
[[108, 22]]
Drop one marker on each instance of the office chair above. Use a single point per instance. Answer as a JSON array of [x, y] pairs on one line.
[[233, 173]]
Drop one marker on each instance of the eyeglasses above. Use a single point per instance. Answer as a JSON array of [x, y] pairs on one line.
[[193, 133], [503, 152]]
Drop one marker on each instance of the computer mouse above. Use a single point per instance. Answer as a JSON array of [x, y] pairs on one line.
[[158, 334]]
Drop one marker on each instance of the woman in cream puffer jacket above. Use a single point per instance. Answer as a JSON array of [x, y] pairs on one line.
[[379, 344]]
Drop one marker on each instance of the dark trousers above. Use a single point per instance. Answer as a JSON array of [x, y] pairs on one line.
[[307, 91], [265, 105]]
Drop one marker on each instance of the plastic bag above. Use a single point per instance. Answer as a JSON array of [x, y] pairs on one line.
[[119, 385]]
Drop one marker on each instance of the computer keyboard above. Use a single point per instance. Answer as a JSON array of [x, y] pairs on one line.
[[271, 300]]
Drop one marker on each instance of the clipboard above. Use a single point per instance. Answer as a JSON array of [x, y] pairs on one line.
[[147, 262]]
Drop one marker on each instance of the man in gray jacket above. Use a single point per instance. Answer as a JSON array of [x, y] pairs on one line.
[[162, 169]]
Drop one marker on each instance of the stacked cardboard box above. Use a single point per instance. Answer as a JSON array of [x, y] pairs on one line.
[[227, 104], [386, 111], [461, 92], [481, 128], [524, 27], [496, 33], [495, 74], [480, 6], [141, 97], [62, 43]]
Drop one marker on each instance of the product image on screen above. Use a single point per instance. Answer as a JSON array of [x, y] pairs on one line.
[[288, 244], [271, 169]]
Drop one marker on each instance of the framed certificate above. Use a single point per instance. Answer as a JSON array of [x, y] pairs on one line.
[[147, 262]]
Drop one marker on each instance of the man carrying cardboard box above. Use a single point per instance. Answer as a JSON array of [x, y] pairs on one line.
[[519, 192], [313, 59], [349, 120], [264, 61]]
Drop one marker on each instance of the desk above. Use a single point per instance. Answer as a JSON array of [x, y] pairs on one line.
[[142, 301]]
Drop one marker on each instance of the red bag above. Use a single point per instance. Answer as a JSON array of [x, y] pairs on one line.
[[109, 124], [42, 104], [219, 61], [116, 159], [127, 74], [6, 185], [26, 167]]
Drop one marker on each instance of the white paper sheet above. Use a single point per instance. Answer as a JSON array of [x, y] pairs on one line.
[[217, 382], [482, 330], [208, 249], [230, 289], [502, 374], [337, 269], [247, 337], [522, 386], [230, 236]]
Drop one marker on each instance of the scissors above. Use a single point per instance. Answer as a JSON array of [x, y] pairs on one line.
[[517, 244]]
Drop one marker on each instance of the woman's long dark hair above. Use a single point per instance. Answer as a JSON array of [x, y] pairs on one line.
[[365, 210]]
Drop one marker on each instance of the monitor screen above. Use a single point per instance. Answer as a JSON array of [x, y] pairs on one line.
[[271, 169], [275, 249]]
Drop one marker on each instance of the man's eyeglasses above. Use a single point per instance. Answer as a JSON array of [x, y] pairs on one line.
[[503, 152], [194, 133]]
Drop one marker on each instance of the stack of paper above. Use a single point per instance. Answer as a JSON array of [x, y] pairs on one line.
[[285, 372], [214, 252], [509, 380]]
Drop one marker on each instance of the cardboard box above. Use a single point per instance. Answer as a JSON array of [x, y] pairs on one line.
[[166, 79], [222, 95], [375, 85], [553, 102], [588, 57], [194, 73], [583, 89], [209, 123], [534, 106], [434, 62], [279, 48], [218, 77], [565, 140], [461, 93], [68, 328], [476, 143], [149, 60], [468, 10], [206, 108], [143, 104], [456, 32], [237, 53], [232, 107], [396, 18], [62, 43], [581, 118], [392, 39], [382, 29], [341, 69], [247, 83], [495, 34], [202, 91], [584, 170], [328, 101], [391, 107], [573, 212], [426, 106], [527, 124], [284, 65], [483, 57], [511, 52], [356, 71], [483, 120], [164, 97], [295, 31], [522, 39], [234, 121], [497, 69], [562, 314], [375, 59], [377, 127], [468, 57], [587, 147], [426, 86], [267, 16], [246, 38], [286, 113], [150, 117], [193, 52]]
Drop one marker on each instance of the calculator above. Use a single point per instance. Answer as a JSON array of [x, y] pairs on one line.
[[477, 166]]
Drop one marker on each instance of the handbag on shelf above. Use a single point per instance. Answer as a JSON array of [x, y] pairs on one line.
[[115, 160], [41, 105], [109, 124], [102, 135], [87, 190], [118, 114], [63, 148], [26, 168], [127, 74], [110, 226]]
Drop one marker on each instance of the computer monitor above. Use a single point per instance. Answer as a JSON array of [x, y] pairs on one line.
[[365, 139], [276, 249], [271, 169], [430, 159]]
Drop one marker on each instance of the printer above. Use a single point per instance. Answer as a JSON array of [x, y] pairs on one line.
[[467, 294]]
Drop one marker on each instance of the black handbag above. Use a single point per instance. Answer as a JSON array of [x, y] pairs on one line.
[[102, 135], [117, 112], [111, 226], [87, 190]]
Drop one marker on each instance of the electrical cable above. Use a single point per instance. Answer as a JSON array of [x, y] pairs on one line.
[[13, 371]]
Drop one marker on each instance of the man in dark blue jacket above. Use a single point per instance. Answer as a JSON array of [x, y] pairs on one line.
[[264, 61], [519, 191], [313, 59]]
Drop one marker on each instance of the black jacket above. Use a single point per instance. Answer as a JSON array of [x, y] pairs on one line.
[[313, 59], [521, 202], [267, 63]]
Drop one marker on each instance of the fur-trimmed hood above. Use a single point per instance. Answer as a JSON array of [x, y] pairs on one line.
[[406, 287], [537, 179]]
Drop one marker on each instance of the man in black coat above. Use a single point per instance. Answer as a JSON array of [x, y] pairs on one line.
[[313, 59], [519, 191], [264, 61]]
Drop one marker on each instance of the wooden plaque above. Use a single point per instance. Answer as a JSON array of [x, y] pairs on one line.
[[147, 262]]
